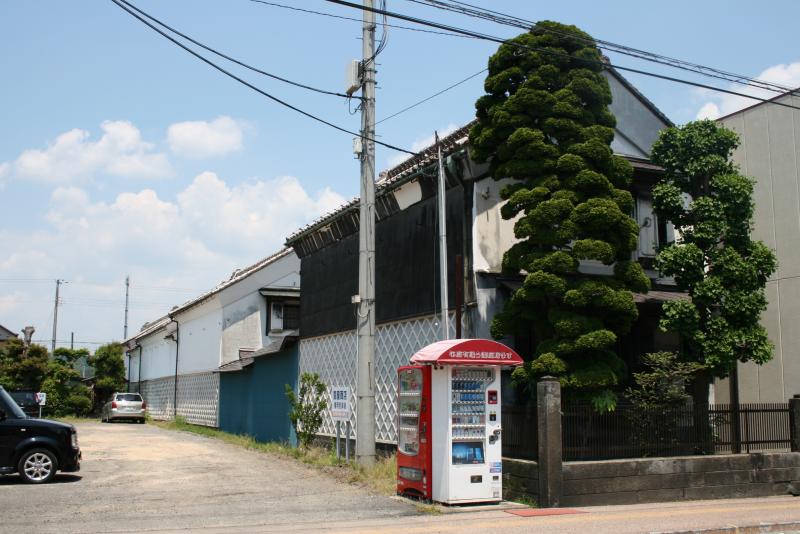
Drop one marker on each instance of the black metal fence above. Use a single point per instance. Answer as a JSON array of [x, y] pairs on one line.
[[520, 432], [632, 432]]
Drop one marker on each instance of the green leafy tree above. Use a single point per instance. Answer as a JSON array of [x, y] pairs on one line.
[[659, 399], [21, 369], [109, 368], [545, 122], [65, 393], [306, 407], [714, 258]]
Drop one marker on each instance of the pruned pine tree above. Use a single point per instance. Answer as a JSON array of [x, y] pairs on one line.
[[545, 122], [714, 259]]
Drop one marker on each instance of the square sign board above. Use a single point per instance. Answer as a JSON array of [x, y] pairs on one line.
[[340, 403], [41, 398]]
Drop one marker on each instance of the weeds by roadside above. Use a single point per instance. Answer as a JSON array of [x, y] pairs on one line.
[[526, 500], [71, 419], [380, 478]]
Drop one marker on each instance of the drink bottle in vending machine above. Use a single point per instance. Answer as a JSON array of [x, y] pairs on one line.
[[449, 414]]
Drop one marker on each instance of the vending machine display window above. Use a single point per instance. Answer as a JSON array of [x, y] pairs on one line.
[[467, 452], [408, 404]]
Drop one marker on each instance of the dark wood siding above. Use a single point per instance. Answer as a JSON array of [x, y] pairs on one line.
[[406, 269]]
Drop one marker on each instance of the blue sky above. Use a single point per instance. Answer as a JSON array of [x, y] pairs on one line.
[[122, 154]]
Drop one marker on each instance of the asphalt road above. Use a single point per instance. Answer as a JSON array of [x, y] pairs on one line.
[[143, 478]]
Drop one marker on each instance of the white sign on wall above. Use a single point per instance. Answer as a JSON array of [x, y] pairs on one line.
[[340, 403]]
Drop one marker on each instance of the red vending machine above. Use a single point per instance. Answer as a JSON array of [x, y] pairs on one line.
[[449, 446]]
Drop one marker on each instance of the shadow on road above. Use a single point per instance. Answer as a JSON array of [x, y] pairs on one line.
[[15, 480]]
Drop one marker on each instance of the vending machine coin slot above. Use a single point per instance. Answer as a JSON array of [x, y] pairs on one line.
[[476, 479]]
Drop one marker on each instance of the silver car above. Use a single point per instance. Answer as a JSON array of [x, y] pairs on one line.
[[128, 406]]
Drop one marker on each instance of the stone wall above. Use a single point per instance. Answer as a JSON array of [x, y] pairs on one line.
[[662, 479]]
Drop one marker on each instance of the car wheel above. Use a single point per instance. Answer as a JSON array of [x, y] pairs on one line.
[[37, 466]]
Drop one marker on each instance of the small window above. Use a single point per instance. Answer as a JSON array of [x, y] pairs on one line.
[[129, 397], [291, 316]]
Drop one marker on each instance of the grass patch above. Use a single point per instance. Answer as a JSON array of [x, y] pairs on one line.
[[72, 419], [380, 477], [527, 500], [430, 509]]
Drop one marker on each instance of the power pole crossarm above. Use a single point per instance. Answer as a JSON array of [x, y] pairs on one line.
[[365, 381]]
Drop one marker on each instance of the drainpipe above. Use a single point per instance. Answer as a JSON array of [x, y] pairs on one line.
[[176, 336], [139, 375], [129, 370]]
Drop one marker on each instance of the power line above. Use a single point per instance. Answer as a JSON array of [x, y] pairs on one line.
[[517, 22], [69, 340], [232, 59], [311, 11], [26, 280], [510, 42], [207, 61], [468, 78]]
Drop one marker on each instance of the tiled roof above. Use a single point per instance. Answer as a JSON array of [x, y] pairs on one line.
[[395, 176], [237, 276]]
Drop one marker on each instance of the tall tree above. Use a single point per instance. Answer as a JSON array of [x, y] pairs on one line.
[[544, 121], [109, 368], [715, 259], [21, 369]]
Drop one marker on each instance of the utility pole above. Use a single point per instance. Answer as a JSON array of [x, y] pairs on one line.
[[127, 288], [365, 383], [71, 340], [442, 245], [55, 316]]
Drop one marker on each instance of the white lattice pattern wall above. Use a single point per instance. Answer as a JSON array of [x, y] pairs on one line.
[[158, 394], [333, 357], [198, 397]]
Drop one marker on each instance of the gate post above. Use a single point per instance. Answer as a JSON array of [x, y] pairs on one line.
[[548, 392], [794, 423]]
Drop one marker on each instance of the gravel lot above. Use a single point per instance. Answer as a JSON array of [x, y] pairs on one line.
[[143, 478]]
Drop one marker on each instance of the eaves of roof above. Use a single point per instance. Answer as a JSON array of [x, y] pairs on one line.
[[792, 92], [395, 177], [638, 94], [155, 326], [237, 276]]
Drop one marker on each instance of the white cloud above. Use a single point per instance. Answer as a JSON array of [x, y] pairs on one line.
[[709, 111], [5, 170], [422, 143], [74, 158], [192, 240], [719, 104], [199, 139]]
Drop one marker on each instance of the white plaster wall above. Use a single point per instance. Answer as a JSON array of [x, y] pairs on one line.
[[243, 324], [244, 308], [158, 356], [491, 234], [200, 331]]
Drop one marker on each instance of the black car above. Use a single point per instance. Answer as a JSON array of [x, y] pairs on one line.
[[27, 401], [35, 448]]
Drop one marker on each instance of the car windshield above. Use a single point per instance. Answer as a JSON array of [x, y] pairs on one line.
[[130, 397], [7, 403]]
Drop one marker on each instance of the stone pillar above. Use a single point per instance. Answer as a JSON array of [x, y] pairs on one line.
[[794, 422], [550, 451]]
